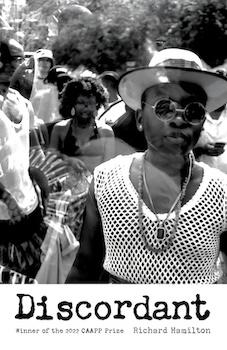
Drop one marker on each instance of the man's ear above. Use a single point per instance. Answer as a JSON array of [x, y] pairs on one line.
[[139, 119]]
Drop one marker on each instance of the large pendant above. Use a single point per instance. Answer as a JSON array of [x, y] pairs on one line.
[[161, 231]]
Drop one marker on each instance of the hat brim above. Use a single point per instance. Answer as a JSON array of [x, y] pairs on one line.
[[133, 83]]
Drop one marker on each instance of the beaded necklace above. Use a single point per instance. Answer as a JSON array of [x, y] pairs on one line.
[[163, 238]]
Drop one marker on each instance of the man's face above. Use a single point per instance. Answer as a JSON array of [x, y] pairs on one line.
[[5, 77], [175, 135], [44, 65]]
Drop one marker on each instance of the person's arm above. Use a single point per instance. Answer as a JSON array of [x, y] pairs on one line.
[[88, 265], [55, 137], [20, 227], [110, 148], [106, 132]]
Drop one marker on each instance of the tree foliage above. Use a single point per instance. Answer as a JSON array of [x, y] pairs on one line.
[[125, 31], [202, 28], [34, 5], [114, 37]]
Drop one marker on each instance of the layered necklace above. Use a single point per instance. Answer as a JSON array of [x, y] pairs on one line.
[[162, 237]]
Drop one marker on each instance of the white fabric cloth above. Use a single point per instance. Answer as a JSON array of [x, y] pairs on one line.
[[59, 248], [215, 131], [193, 256], [46, 104], [14, 162]]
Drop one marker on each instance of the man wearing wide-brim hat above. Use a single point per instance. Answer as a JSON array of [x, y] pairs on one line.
[[157, 216]]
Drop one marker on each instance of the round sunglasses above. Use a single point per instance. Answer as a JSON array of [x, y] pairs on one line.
[[165, 109]]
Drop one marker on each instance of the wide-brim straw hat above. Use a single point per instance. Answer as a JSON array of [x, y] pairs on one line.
[[173, 66]]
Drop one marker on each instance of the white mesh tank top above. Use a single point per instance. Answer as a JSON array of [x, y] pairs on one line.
[[193, 256]]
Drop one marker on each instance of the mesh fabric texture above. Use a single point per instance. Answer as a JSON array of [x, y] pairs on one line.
[[193, 255]]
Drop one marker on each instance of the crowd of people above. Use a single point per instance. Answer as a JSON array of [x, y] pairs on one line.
[[112, 179]]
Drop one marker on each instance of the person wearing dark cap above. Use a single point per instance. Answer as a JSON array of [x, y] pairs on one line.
[[158, 216], [11, 55], [12, 102], [58, 75], [120, 116], [110, 81]]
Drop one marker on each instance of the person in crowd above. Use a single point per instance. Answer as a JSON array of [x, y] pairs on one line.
[[17, 53], [43, 62], [158, 216], [22, 79], [82, 140], [211, 146], [58, 76], [122, 119], [29, 77], [49, 99], [21, 219], [110, 81], [21, 210], [12, 102]]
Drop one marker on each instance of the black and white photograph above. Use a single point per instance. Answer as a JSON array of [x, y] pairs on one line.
[[113, 207]]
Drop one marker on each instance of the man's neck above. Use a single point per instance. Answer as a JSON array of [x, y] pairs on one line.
[[171, 164]]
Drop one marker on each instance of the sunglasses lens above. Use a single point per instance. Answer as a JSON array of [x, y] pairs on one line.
[[165, 109], [195, 113]]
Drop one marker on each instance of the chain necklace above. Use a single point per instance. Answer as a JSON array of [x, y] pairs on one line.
[[162, 235]]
